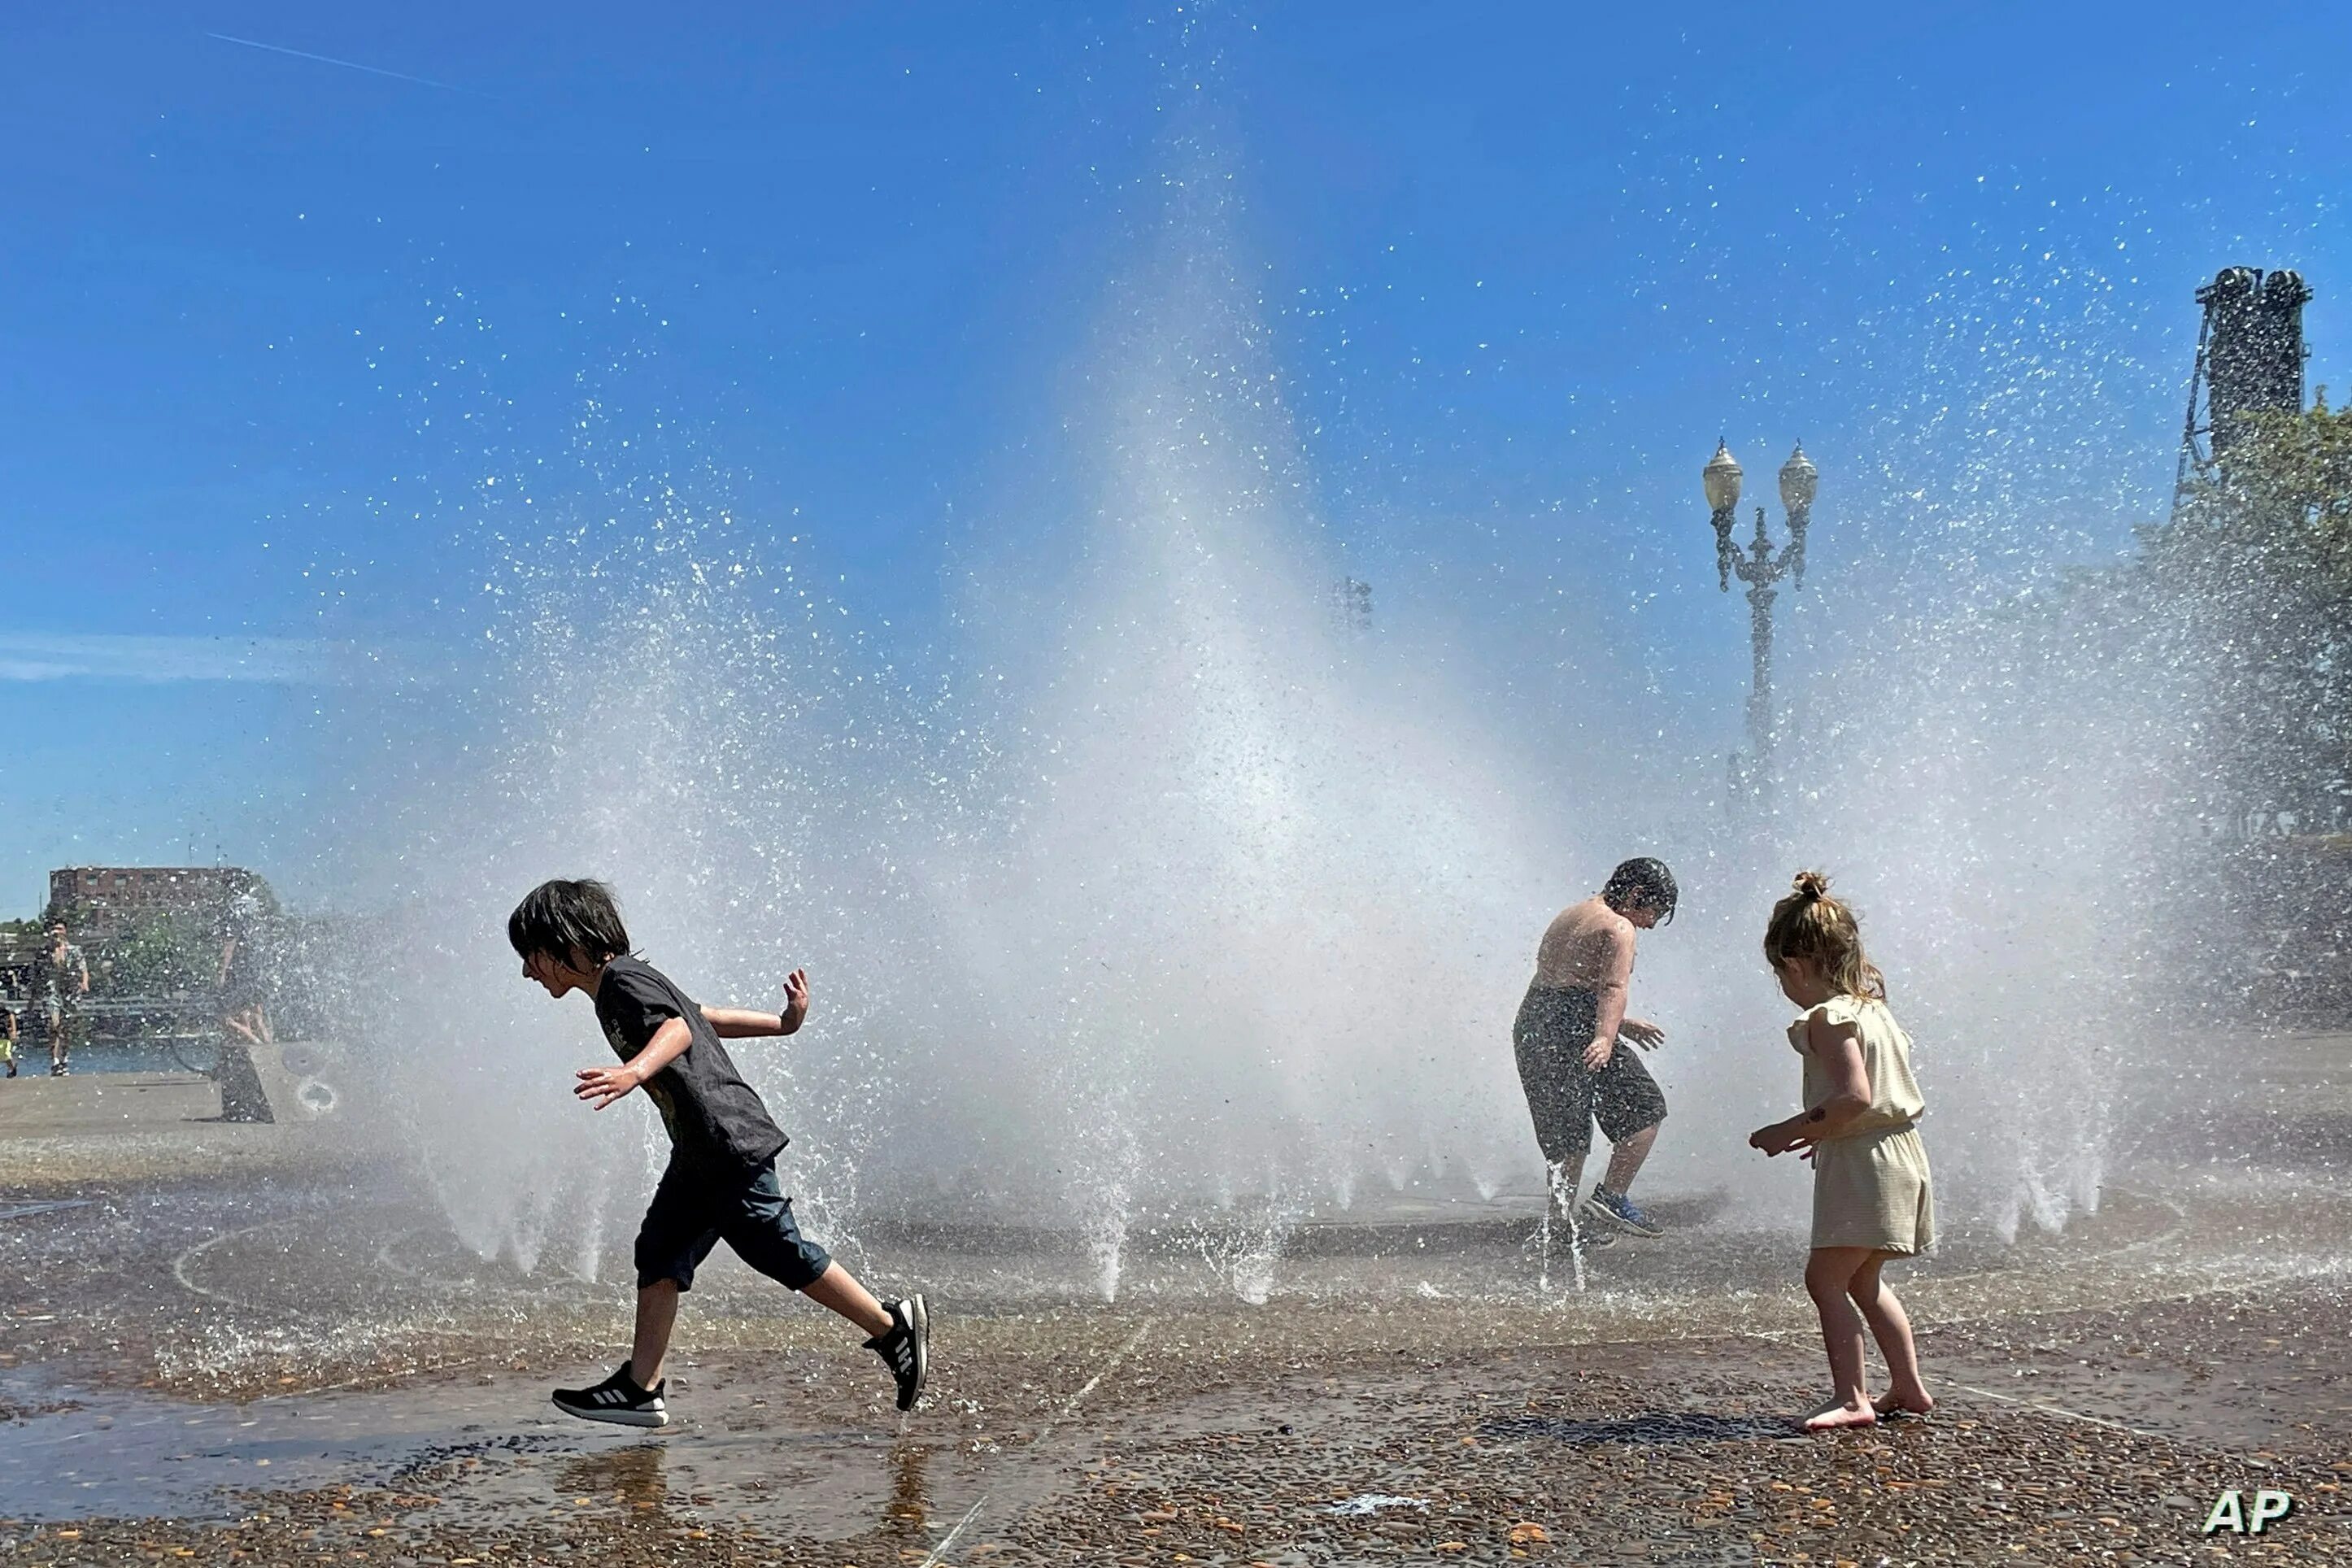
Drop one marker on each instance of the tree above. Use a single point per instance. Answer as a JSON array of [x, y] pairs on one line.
[[159, 955], [2252, 585]]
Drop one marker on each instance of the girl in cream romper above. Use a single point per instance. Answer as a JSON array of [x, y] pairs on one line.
[[1874, 1199], [1871, 1184]]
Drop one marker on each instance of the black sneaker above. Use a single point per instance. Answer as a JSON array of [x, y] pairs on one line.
[[906, 1349], [617, 1399]]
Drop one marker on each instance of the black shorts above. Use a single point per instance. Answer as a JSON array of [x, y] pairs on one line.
[[691, 1214], [1564, 1096]]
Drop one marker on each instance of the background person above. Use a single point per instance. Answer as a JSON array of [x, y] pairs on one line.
[[243, 981], [61, 980], [1566, 1040]]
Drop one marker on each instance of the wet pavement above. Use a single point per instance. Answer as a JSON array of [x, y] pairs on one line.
[[211, 1358]]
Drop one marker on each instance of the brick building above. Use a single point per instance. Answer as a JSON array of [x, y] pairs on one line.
[[97, 901]]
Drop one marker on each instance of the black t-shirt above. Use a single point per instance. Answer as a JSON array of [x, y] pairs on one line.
[[717, 1123]]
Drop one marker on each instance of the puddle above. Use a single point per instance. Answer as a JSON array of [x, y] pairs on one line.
[[483, 1453], [93, 1453]]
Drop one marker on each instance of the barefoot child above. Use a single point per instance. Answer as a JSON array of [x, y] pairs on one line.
[[721, 1180], [1872, 1198]]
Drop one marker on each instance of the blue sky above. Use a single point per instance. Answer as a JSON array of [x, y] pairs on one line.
[[1523, 263]]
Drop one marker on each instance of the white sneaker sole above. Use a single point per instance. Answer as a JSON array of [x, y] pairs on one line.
[[616, 1418], [1601, 1212], [919, 1319]]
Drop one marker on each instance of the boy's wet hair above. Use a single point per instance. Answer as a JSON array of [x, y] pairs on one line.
[[1644, 883], [567, 921]]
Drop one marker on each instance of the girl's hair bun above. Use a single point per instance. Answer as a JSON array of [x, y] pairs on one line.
[[1811, 885]]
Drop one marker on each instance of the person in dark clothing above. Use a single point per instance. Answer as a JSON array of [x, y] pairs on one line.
[[721, 1181], [243, 982]]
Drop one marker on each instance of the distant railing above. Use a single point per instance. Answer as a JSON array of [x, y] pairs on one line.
[[129, 1019]]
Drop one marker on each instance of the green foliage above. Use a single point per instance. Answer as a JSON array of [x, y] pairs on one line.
[[2280, 510], [159, 955], [2251, 584]]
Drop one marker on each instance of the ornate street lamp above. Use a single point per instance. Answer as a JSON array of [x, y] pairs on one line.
[[1761, 568]]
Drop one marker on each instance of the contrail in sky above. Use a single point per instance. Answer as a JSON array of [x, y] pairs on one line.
[[151, 660], [347, 65]]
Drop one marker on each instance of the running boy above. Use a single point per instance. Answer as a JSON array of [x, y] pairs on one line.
[[721, 1180]]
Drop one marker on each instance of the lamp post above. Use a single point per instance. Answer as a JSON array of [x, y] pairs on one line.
[[1761, 568]]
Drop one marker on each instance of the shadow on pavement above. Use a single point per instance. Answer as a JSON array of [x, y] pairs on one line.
[[1651, 1428]]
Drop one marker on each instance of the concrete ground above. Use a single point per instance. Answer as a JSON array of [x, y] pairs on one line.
[[230, 1344]]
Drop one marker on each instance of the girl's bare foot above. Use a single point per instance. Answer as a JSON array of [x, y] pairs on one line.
[[1908, 1402], [1839, 1413]]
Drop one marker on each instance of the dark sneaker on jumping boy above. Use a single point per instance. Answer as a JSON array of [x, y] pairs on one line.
[[617, 1399], [1592, 1239], [906, 1349], [1617, 1209]]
